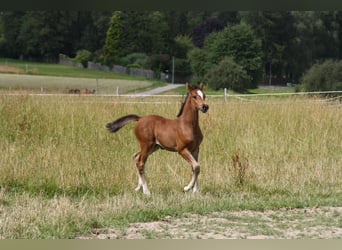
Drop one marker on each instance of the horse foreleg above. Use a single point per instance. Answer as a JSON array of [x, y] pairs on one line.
[[192, 159], [195, 188], [140, 160]]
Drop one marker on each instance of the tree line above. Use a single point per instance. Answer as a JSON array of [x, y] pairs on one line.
[[244, 48]]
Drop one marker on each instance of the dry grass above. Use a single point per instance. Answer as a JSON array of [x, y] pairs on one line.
[[61, 172], [308, 223]]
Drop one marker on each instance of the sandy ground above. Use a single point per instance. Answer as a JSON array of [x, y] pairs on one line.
[[309, 223]]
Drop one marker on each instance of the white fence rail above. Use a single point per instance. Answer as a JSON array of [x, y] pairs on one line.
[[136, 95]]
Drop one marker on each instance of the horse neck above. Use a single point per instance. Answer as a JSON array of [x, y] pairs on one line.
[[189, 114]]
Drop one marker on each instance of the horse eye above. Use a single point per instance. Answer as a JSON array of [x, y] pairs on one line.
[[195, 97]]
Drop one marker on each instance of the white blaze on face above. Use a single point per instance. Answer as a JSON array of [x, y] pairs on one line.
[[200, 93]]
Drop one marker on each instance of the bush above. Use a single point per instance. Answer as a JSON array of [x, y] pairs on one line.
[[228, 74], [326, 76], [83, 56], [137, 59], [133, 65]]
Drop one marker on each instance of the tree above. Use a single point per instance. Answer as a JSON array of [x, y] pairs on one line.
[[199, 63], [41, 34], [339, 33], [111, 48], [201, 31], [11, 22], [239, 43], [317, 39], [326, 76], [276, 30], [2, 36], [227, 74], [87, 30], [135, 32], [156, 33], [183, 43]]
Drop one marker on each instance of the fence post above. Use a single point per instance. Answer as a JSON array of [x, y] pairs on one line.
[[117, 90], [225, 94]]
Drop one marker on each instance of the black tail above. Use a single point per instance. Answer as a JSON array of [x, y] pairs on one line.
[[119, 123]]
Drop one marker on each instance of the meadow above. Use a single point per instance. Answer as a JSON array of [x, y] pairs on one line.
[[22, 83], [36, 77], [52, 69], [62, 174]]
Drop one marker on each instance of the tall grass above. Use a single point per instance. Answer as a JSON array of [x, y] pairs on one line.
[[61, 172]]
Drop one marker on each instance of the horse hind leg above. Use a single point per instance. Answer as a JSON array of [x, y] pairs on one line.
[[140, 182]]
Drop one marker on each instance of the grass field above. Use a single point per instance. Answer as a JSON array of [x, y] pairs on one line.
[[24, 76], [63, 175], [62, 85], [52, 69]]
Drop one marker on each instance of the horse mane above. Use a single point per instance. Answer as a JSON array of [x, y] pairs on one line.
[[183, 104]]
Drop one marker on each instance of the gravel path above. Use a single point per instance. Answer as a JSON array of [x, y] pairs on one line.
[[159, 90], [286, 223]]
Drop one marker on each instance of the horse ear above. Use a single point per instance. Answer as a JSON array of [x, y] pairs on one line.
[[188, 86], [201, 86]]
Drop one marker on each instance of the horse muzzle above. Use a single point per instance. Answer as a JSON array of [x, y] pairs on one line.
[[204, 108]]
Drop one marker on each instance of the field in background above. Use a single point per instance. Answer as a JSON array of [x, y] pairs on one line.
[[52, 69], [33, 77], [63, 175], [61, 85]]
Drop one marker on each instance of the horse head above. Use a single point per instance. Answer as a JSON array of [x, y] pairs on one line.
[[197, 97]]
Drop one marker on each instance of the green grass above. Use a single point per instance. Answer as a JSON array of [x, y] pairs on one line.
[[275, 90], [58, 84], [261, 90], [56, 78], [62, 173], [52, 69]]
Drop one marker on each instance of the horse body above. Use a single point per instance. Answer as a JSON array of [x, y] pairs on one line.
[[182, 135], [152, 129], [86, 91]]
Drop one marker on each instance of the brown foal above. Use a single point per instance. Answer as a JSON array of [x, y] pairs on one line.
[[182, 135]]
